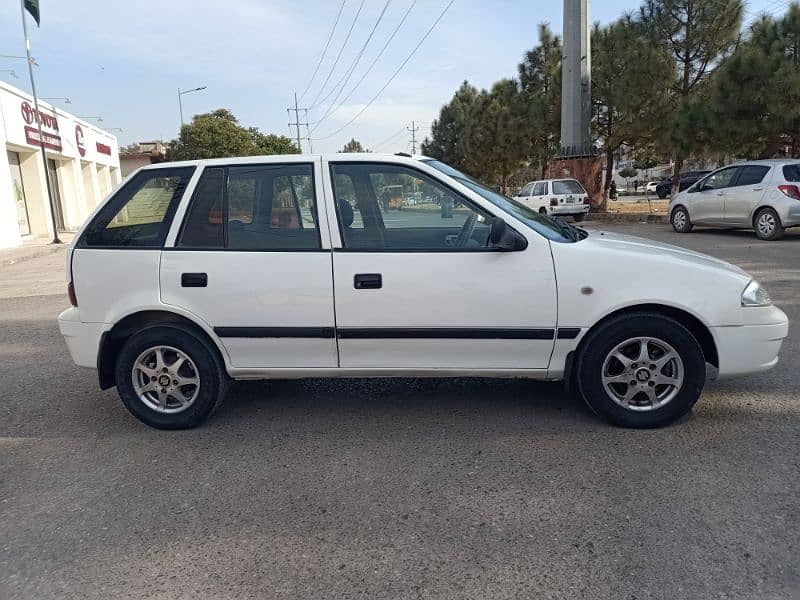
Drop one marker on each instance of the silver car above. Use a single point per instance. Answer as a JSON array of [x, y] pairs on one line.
[[763, 195]]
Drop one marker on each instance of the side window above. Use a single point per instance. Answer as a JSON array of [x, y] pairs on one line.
[[720, 179], [140, 213], [254, 207], [540, 189], [392, 207], [752, 175], [526, 191]]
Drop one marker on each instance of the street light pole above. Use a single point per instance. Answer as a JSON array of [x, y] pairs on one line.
[[180, 103], [37, 118]]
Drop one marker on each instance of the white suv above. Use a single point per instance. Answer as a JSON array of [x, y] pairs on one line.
[[559, 197], [195, 273]]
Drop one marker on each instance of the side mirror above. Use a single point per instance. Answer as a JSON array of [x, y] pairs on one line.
[[505, 238]]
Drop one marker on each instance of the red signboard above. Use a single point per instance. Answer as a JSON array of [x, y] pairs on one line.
[[30, 114], [103, 149], [49, 140]]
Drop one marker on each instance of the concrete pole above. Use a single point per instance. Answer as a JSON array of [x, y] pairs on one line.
[[576, 102]]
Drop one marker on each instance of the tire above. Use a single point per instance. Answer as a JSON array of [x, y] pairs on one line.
[[543, 211], [648, 404], [166, 411], [579, 218], [681, 222], [662, 193], [767, 225]]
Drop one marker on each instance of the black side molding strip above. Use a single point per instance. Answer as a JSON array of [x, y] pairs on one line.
[[275, 332], [568, 333], [454, 333]]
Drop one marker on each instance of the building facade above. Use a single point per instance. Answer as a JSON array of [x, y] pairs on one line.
[[82, 165]]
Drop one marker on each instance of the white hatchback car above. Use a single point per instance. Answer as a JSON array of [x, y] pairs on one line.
[[195, 273], [559, 197], [763, 195]]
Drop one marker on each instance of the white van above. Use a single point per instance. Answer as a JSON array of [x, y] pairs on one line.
[[560, 197]]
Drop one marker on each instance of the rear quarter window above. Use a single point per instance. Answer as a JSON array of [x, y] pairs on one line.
[[791, 172], [140, 213]]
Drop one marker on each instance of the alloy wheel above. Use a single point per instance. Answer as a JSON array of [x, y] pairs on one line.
[[766, 224], [643, 374], [165, 379]]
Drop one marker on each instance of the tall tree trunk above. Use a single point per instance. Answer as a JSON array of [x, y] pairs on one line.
[[609, 178], [676, 174]]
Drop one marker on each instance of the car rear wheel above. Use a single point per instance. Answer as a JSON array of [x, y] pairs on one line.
[[768, 225], [543, 211], [680, 220], [169, 377], [662, 193], [641, 371]]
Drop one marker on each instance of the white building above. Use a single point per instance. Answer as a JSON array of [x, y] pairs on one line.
[[82, 163]]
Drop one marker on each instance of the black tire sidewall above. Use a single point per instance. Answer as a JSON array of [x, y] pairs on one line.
[[579, 218], [209, 369], [607, 337]]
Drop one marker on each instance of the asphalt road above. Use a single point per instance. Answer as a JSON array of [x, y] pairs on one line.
[[394, 488]]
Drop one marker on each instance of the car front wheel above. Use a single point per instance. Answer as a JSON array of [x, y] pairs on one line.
[[641, 371], [681, 221], [169, 377]]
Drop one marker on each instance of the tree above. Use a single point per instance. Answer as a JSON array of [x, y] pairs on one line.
[[218, 135], [353, 146], [697, 34], [540, 82], [451, 134], [624, 61], [758, 89]]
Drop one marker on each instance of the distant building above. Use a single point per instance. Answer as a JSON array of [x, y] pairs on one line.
[[141, 155], [82, 165]]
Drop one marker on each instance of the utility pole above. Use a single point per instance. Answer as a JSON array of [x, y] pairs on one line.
[[413, 129], [297, 122], [38, 119], [576, 103]]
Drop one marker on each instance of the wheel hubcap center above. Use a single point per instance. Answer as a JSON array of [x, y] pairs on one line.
[[643, 375], [163, 380]]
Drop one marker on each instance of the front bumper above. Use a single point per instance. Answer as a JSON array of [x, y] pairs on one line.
[[747, 349], [83, 339], [568, 209]]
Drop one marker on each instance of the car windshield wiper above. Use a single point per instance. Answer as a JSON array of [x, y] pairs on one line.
[[570, 231]]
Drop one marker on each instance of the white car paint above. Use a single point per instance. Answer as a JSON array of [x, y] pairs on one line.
[[549, 285]]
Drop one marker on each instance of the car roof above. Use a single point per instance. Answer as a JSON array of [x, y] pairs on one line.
[[244, 160]]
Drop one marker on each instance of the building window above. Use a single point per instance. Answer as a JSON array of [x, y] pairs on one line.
[[18, 191]]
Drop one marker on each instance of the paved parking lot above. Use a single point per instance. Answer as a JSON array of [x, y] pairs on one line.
[[395, 488]]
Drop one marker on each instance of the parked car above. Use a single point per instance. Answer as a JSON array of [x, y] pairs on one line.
[[688, 179], [651, 187], [561, 197], [763, 195], [193, 274]]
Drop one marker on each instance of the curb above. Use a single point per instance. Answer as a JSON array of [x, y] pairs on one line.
[[627, 218], [33, 253]]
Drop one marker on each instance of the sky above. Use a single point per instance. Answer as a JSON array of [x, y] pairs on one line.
[[124, 61]]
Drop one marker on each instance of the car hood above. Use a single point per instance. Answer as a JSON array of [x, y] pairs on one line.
[[657, 250]]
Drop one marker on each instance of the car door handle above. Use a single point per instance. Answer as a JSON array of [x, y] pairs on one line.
[[761, 189], [720, 193], [194, 280], [368, 281]]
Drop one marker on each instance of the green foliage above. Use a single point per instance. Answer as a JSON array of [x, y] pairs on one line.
[[628, 172], [218, 135], [354, 146]]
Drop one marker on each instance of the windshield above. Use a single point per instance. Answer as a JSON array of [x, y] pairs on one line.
[[568, 186], [556, 230]]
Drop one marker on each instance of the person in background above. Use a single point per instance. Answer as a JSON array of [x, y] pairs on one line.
[[612, 192]]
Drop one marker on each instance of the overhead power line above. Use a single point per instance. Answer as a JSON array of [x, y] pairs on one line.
[[376, 59], [394, 75], [338, 56], [346, 77], [325, 49], [391, 138]]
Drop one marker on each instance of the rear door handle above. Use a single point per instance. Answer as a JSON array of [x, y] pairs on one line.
[[368, 281], [194, 280]]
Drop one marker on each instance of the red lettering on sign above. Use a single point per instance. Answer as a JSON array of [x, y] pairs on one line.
[[30, 115], [48, 140], [103, 149]]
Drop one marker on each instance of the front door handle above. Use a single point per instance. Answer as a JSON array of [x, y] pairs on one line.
[[194, 280], [368, 281]]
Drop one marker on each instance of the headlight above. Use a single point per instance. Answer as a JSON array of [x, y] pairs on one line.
[[755, 295]]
